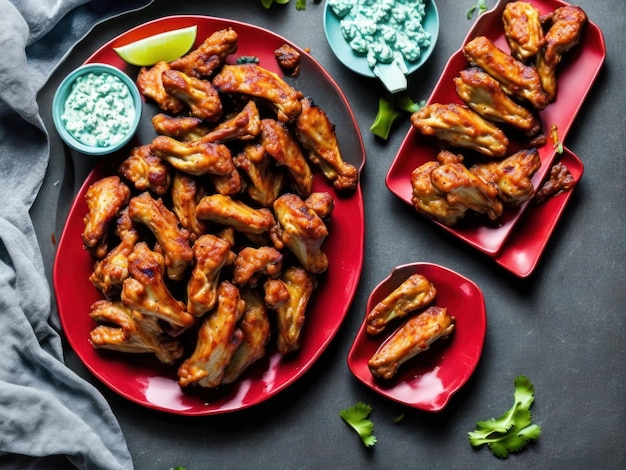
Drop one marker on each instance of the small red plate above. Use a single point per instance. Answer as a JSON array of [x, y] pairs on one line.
[[428, 381], [577, 72], [143, 379]]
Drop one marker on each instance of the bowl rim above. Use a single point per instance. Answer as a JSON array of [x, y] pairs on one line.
[[62, 92]]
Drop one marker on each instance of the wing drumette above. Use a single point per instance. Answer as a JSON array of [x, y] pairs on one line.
[[252, 262], [196, 157], [203, 100], [150, 84], [146, 171], [233, 213], [209, 56], [185, 194], [183, 128], [245, 125], [523, 30], [264, 182]]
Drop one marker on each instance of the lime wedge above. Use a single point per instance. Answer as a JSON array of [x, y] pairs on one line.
[[165, 46]]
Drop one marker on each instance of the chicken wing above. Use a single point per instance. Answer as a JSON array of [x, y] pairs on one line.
[[251, 263], [412, 294], [516, 78], [288, 59], [196, 157], [105, 199], [233, 213], [459, 126], [302, 231], [146, 171], [264, 182], [523, 30], [203, 100], [483, 93], [163, 223], [204, 60], [512, 176], [183, 128], [282, 146], [123, 329], [316, 134], [560, 180], [259, 83], [185, 195], [218, 340], [150, 84], [564, 33], [413, 337], [145, 290], [211, 254], [245, 125], [289, 297]]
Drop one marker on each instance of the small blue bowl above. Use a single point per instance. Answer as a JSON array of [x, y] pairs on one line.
[[64, 90]]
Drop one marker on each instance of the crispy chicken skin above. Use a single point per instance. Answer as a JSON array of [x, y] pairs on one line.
[[105, 199], [202, 99], [211, 254], [483, 93], [564, 33], [264, 182], [288, 59], [282, 146], [124, 329], [145, 290], [289, 297], [163, 223], [412, 294], [183, 128], [218, 339], [233, 213], [110, 271], [522, 29], [302, 231], [459, 126], [512, 176], [413, 337], [251, 263], [256, 329], [259, 83], [516, 78], [195, 158], [316, 133], [150, 84], [204, 60], [185, 195], [146, 171], [244, 125], [560, 180]]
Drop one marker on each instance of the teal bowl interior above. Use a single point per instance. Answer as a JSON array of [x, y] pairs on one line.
[[63, 92], [358, 63]]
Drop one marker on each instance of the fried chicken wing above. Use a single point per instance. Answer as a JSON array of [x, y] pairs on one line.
[[288, 59], [218, 340], [413, 337], [196, 157], [110, 271], [163, 223], [251, 263], [105, 199], [204, 60], [564, 33], [483, 93], [264, 182], [320, 202], [245, 125], [150, 84], [459, 126], [233, 213], [316, 133], [146, 171], [289, 297], [512, 176], [259, 83], [516, 78], [145, 290], [211, 254], [202, 98], [123, 329], [522, 29], [560, 180], [183, 128], [185, 195], [412, 294], [282, 146], [302, 231]]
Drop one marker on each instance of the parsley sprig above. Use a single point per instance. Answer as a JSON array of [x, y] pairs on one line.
[[357, 418], [480, 6], [300, 4]]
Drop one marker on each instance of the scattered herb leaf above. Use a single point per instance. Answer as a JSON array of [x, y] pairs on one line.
[[512, 431], [248, 59], [357, 418], [389, 109], [300, 4], [399, 418], [480, 6]]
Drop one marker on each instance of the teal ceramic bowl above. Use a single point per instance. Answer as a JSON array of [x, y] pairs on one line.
[[61, 97], [358, 63]]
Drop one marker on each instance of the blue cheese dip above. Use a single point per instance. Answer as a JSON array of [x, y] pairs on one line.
[[383, 30], [99, 110]]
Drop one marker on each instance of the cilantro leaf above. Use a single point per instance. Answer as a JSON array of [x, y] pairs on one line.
[[389, 109], [512, 431], [356, 417], [479, 6]]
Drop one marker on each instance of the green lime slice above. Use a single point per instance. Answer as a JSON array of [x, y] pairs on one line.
[[165, 46]]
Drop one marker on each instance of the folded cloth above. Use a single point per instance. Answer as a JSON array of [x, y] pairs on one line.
[[46, 410]]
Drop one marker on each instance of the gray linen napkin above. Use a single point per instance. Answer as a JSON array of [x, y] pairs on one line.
[[49, 416]]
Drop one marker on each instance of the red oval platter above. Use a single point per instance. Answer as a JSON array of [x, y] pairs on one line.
[[428, 381], [143, 379]]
